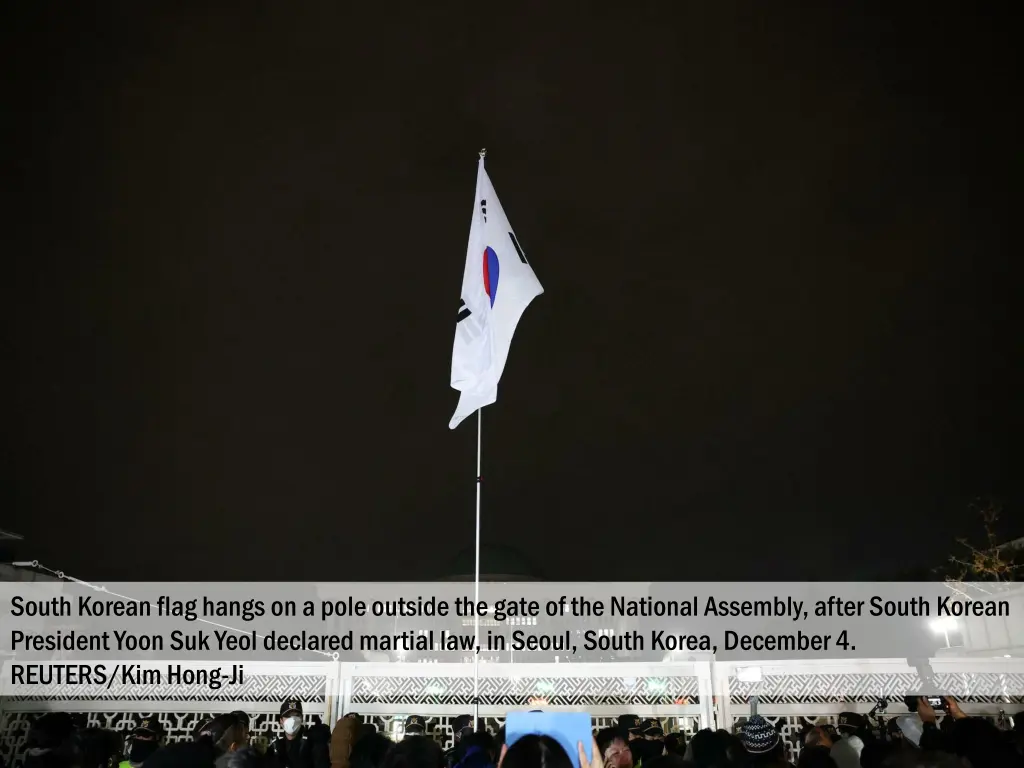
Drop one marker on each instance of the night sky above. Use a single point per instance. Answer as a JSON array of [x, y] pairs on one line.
[[777, 341]]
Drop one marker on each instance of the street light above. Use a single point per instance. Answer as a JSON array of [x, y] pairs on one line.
[[943, 627]]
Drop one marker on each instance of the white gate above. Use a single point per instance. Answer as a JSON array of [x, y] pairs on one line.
[[685, 695], [678, 693]]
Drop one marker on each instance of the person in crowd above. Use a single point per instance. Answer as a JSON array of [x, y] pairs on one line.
[[290, 718], [223, 735], [539, 752], [630, 726], [976, 741], [370, 748], [213, 742], [707, 749], [815, 757], [651, 742], [346, 734], [1016, 736], [652, 730], [146, 739], [477, 751], [820, 736], [921, 730], [461, 725], [240, 738], [415, 725], [810, 736], [668, 760], [243, 720], [734, 751], [914, 743], [876, 753], [320, 733], [50, 742], [246, 757], [102, 747], [98, 747], [644, 750], [55, 741], [201, 726], [297, 748], [762, 743], [614, 748], [415, 751], [675, 744], [851, 732]]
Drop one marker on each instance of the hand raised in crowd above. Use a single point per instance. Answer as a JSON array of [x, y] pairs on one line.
[[597, 762], [953, 708], [925, 710]]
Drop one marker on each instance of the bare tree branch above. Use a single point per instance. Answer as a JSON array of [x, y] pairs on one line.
[[990, 562]]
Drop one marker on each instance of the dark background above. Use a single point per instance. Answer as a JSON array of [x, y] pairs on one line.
[[778, 338]]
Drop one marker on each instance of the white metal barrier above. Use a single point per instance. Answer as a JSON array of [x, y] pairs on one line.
[[603, 690], [687, 695]]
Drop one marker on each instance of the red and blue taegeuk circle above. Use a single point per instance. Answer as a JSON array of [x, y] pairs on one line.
[[490, 273]]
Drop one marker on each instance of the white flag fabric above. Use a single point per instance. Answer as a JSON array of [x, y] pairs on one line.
[[497, 286]]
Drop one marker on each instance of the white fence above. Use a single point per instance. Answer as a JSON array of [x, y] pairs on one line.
[[686, 695]]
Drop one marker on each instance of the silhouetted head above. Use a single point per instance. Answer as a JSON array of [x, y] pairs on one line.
[[536, 752], [224, 734], [415, 752]]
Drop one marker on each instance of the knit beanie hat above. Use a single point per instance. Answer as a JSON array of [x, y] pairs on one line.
[[758, 736]]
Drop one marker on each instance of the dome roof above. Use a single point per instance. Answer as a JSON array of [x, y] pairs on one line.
[[497, 563]]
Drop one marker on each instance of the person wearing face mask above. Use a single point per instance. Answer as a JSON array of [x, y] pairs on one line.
[[651, 743], [295, 749], [146, 739]]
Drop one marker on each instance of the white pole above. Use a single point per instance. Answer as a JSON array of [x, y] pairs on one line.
[[476, 580], [476, 577]]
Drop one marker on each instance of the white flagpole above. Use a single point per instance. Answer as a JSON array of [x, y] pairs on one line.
[[476, 577], [476, 581]]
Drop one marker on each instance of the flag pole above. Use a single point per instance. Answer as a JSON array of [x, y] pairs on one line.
[[476, 575], [476, 581]]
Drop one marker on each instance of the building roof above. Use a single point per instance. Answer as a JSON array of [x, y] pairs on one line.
[[497, 562]]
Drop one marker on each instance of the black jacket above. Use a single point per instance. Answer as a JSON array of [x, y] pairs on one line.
[[187, 753], [301, 752]]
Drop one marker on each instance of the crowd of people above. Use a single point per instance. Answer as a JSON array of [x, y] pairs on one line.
[[918, 740]]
